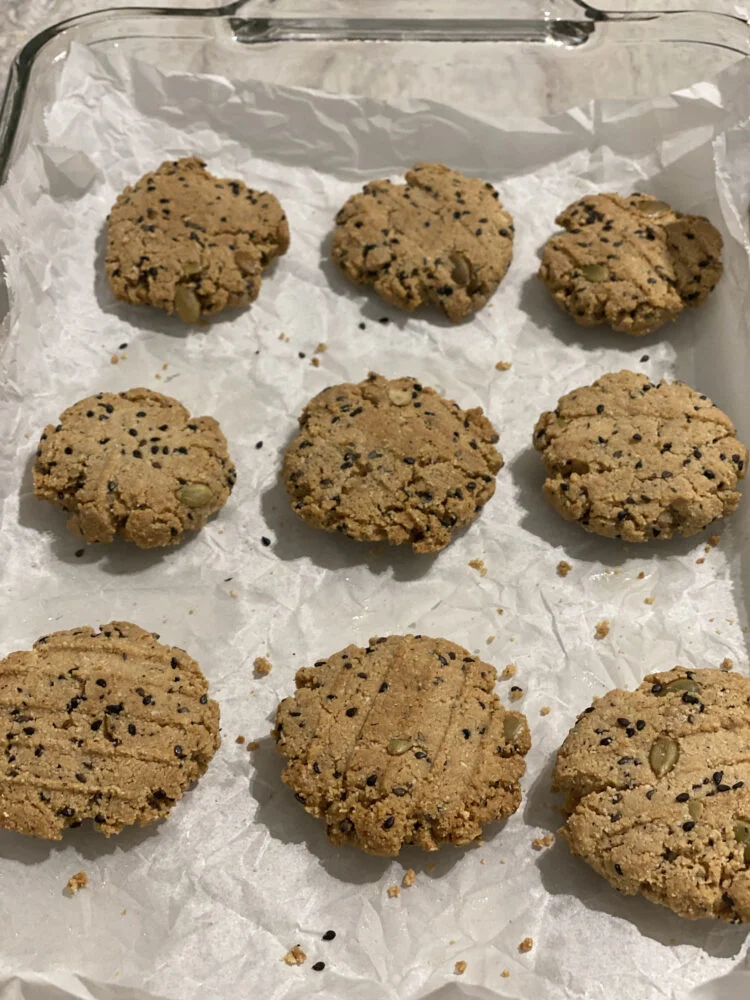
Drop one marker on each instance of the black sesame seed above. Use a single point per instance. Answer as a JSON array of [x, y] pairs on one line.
[[351, 712], [388, 823], [606, 741], [319, 966], [682, 797], [265, 541], [687, 827], [329, 936], [371, 780]]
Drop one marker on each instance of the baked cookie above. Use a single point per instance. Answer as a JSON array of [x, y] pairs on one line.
[[403, 742], [187, 242], [442, 238], [391, 461], [134, 464], [109, 725], [629, 459], [658, 787], [633, 262]]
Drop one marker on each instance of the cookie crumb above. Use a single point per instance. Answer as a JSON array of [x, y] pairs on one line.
[[539, 843], [478, 565], [501, 611], [78, 881], [283, 336], [490, 639], [526, 945], [505, 973], [508, 671], [602, 629], [516, 693], [233, 593], [545, 710], [727, 663], [700, 561], [459, 968], [262, 666], [429, 868], [504, 366], [409, 877], [563, 568], [641, 575], [315, 362], [295, 956], [123, 913], [114, 360], [393, 891], [321, 348], [240, 739], [252, 744], [714, 541], [649, 600]]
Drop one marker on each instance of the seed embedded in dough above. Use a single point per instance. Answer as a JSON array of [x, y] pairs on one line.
[[246, 262], [511, 725], [461, 273], [189, 268], [195, 495], [399, 397], [653, 207], [397, 746], [595, 272], [186, 304], [663, 755], [695, 808], [680, 684]]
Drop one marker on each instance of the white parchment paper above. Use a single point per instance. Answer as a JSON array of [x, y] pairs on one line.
[[205, 905]]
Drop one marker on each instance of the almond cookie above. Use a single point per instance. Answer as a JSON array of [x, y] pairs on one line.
[[403, 742], [658, 787], [629, 459], [134, 464], [187, 242], [391, 461], [109, 725], [441, 238], [633, 262]]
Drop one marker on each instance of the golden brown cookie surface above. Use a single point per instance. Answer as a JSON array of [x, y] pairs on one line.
[[391, 460], [441, 238], [134, 464], [658, 786], [187, 242], [633, 263], [629, 459], [109, 725], [402, 742]]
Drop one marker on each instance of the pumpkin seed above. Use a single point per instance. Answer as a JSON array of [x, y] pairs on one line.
[[397, 745], [189, 268], [653, 207], [511, 725], [595, 272], [186, 304], [246, 262], [680, 684], [742, 831], [399, 397], [461, 273], [195, 495], [695, 808], [663, 755]]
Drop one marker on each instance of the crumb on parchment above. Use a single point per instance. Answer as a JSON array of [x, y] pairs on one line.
[[602, 629], [459, 968], [727, 663], [393, 891], [700, 561], [409, 878], [563, 568], [490, 639], [545, 710], [78, 881], [240, 739], [641, 576], [252, 744], [501, 611], [262, 666], [321, 348], [295, 956], [504, 366], [649, 600], [516, 693], [539, 843], [505, 973], [478, 565], [508, 672], [526, 945]]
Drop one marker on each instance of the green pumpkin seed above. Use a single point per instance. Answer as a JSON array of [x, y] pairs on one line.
[[461, 273], [695, 808], [246, 262], [663, 755], [189, 268], [195, 495], [680, 684], [595, 272], [399, 397], [511, 725], [742, 831], [653, 207], [397, 745], [186, 304]]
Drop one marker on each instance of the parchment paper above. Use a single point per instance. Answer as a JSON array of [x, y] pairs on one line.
[[206, 904]]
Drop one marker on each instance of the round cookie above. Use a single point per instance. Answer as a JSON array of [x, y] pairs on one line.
[[391, 461], [629, 459], [402, 742], [658, 791], [134, 464], [109, 725], [187, 242], [441, 238], [633, 262]]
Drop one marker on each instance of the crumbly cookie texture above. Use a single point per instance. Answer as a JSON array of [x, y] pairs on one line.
[[402, 742], [187, 242], [111, 726], [441, 238], [391, 461], [134, 464], [658, 791], [629, 459], [633, 263]]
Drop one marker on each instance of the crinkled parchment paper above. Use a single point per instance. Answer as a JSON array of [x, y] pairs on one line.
[[206, 904]]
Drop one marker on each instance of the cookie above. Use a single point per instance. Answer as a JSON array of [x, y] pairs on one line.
[[391, 461], [658, 791], [134, 464], [441, 238], [187, 242], [402, 742], [629, 459], [110, 726], [633, 263]]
